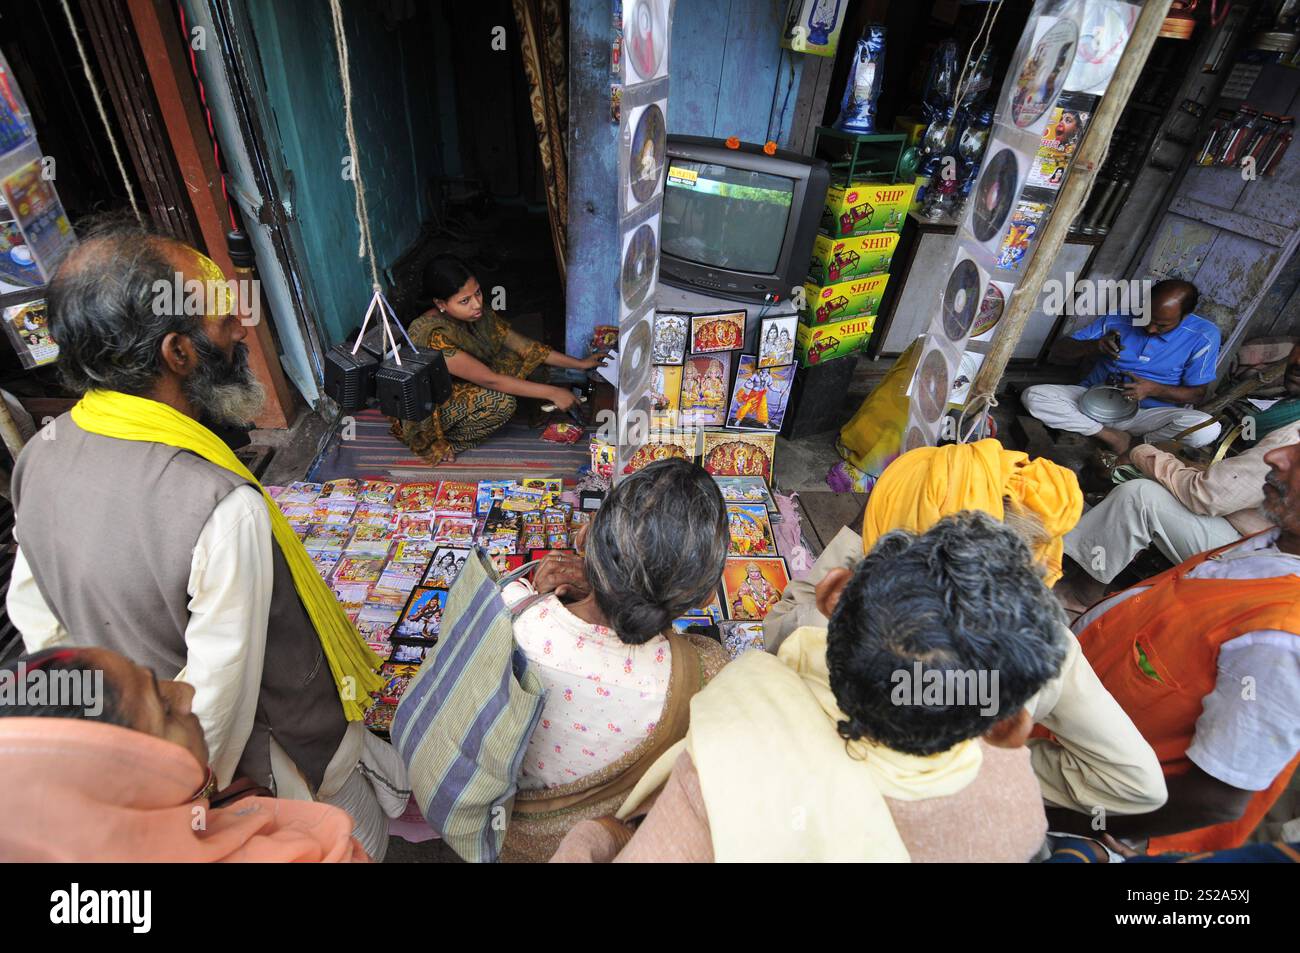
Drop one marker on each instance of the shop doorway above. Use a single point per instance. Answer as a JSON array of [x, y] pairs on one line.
[[447, 150]]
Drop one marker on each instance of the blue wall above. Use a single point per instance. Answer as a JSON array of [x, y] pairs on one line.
[[729, 74], [399, 135]]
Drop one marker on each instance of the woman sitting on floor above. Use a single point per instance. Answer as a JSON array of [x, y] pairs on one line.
[[122, 776], [618, 680], [491, 364]]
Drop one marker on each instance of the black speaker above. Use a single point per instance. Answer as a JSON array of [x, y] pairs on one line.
[[350, 378], [410, 390]]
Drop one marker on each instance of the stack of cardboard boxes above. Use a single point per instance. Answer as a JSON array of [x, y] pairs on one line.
[[849, 269]]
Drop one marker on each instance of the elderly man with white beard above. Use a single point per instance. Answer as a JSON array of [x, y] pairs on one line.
[[141, 532]]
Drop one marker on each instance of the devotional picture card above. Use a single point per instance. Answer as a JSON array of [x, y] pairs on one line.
[[738, 489], [739, 637], [355, 570], [720, 331], [776, 340], [417, 497], [663, 445], [377, 491], [665, 395], [670, 337], [750, 530], [706, 380], [327, 536], [344, 489], [370, 539], [422, 616], [455, 531], [300, 493], [739, 454], [455, 497], [444, 567], [759, 399], [752, 585]]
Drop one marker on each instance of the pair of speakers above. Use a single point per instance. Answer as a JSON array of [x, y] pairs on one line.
[[408, 391]]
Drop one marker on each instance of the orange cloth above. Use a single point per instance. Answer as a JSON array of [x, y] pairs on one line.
[[74, 790], [1180, 624], [926, 484]]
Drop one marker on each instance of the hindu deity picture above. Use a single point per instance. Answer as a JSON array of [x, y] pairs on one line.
[[739, 454], [750, 530], [662, 446], [761, 394], [752, 585], [665, 395], [724, 331], [703, 401]]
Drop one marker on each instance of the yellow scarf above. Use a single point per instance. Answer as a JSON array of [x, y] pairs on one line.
[[928, 483], [779, 783], [118, 415]]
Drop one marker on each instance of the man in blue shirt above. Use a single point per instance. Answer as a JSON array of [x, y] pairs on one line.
[[1166, 365]]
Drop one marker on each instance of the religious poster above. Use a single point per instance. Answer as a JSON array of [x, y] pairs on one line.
[[704, 393], [752, 585], [728, 453], [760, 396]]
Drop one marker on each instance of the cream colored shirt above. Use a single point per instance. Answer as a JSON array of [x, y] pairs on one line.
[[1098, 757], [1232, 488]]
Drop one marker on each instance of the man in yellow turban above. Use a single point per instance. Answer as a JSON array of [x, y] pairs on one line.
[[1096, 756]]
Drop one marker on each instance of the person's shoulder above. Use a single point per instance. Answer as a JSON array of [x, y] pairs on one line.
[[1202, 327]]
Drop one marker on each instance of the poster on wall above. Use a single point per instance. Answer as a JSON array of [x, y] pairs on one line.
[[813, 26]]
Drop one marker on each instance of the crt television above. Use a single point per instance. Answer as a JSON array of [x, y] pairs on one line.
[[738, 223]]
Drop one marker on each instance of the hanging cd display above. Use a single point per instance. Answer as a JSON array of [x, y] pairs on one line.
[[933, 382], [640, 253], [635, 348], [961, 300], [645, 39], [914, 438], [646, 154], [994, 195], [991, 307], [1104, 30], [1041, 77]]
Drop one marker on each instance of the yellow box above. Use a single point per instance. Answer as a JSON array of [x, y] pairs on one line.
[[865, 207], [818, 345], [839, 259], [914, 128], [826, 303]]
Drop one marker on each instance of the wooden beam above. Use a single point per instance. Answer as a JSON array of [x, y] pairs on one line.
[[1073, 195], [166, 58]]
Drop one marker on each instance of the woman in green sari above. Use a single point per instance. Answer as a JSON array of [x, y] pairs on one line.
[[491, 365]]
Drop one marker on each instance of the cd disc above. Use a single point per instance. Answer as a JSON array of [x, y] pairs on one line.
[[1103, 34], [634, 359], [646, 162], [1040, 79], [646, 38], [994, 196], [961, 300], [639, 266], [932, 385], [990, 312]]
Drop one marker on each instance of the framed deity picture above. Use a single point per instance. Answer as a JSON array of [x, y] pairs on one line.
[[671, 335], [665, 395], [752, 585], [760, 396], [721, 331], [776, 340], [706, 380], [739, 454]]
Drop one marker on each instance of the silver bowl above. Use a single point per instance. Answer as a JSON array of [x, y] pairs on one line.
[[1108, 404]]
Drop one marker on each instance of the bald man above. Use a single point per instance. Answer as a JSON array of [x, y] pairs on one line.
[[1165, 358]]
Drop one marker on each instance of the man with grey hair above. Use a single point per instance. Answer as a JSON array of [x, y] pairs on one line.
[[134, 538]]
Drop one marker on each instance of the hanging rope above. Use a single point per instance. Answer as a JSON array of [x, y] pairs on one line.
[[990, 18], [366, 248], [103, 115]]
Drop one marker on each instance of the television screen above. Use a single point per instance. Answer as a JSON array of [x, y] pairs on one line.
[[722, 217]]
